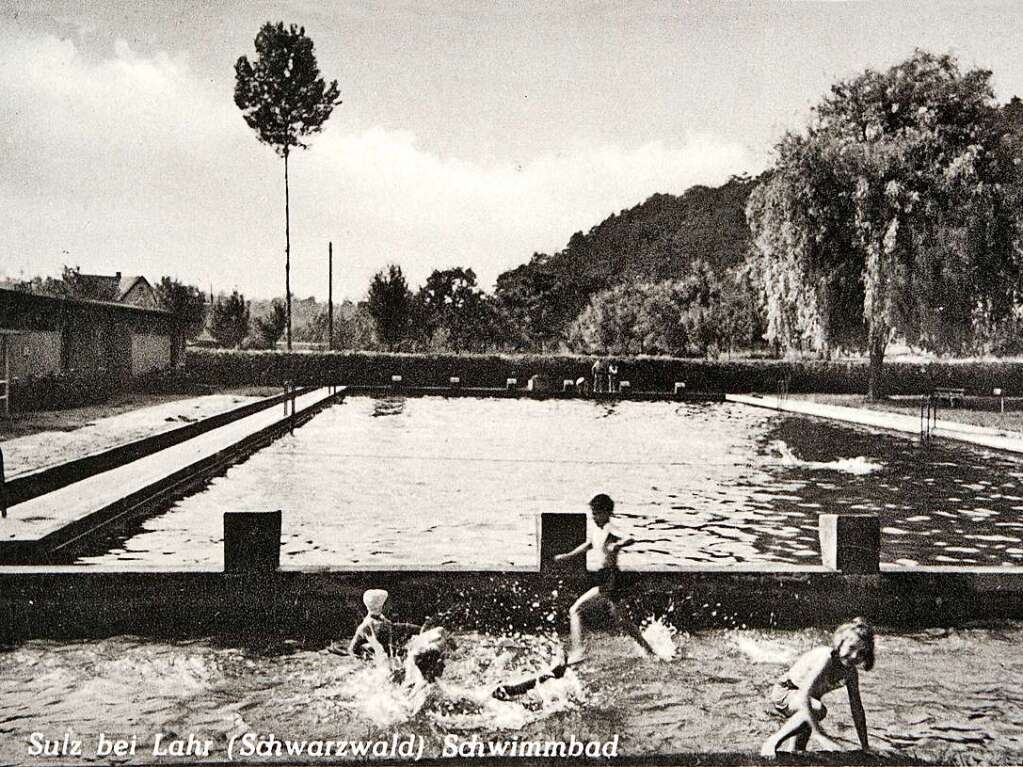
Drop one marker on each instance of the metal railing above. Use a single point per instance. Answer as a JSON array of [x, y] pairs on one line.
[[5, 383], [3, 488], [928, 419]]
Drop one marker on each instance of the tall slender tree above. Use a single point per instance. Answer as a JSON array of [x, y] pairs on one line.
[[284, 99]]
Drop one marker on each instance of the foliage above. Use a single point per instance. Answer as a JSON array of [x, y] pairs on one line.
[[453, 312], [353, 327], [281, 94], [229, 319], [538, 301], [889, 216], [186, 302], [269, 328], [389, 303], [610, 322], [694, 315], [655, 241]]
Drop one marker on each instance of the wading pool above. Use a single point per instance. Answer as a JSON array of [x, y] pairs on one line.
[[949, 696]]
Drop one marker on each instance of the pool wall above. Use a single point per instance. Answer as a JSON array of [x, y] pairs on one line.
[[256, 597]]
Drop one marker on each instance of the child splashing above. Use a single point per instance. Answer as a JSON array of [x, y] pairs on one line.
[[394, 690], [798, 694], [377, 630], [427, 660]]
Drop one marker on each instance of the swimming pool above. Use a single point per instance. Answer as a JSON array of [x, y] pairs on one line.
[[952, 696], [432, 481]]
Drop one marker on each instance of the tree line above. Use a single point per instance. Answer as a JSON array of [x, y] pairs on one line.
[[895, 215]]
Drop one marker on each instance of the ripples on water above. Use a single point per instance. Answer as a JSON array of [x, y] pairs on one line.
[[435, 481], [946, 695]]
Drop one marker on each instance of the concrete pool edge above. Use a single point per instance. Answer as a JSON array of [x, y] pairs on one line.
[[1010, 442], [327, 604]]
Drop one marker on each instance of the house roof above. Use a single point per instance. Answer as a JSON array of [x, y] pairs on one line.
[[7, 295], [128, 282]]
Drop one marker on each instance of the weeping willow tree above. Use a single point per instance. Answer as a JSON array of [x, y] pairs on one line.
[[891, 216]]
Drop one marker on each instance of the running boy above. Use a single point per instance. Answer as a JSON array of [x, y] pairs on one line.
[[609, 578], [817, 672]]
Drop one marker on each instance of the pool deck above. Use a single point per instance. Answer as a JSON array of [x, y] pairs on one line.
[[44, 462], [40, 525], [982, 436]]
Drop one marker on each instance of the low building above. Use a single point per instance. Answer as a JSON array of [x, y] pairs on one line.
[[82, 337]]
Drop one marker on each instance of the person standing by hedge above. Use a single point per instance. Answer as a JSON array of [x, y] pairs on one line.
[[599, 374]]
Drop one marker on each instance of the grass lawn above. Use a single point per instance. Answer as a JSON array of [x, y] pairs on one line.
[[978, 411]]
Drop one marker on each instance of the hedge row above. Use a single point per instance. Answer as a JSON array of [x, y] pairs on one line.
[[240, 368], [57, 391]]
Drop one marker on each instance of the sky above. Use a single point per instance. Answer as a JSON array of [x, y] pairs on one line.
[[471, 134]]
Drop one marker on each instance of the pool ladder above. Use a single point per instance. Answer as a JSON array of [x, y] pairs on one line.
[[928, 419]]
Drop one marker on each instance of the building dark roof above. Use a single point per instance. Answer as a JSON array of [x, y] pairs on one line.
[[20, 309]]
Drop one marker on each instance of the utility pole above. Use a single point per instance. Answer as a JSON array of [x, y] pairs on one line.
[[330, 296]]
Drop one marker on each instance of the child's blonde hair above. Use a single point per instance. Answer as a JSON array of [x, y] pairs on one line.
[[859, 631]]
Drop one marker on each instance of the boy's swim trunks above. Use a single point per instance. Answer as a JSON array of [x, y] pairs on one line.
[[612, 582]]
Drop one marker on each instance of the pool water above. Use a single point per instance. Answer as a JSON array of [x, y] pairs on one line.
[[434, 481], [954, 696]]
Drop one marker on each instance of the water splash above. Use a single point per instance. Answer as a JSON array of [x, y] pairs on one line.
[[859, 465], [387, 694], [661, 637], [759, 649]]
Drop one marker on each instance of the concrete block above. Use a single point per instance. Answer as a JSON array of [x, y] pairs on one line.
[[850, 543], [567, 384], [454, 382], [558, 533], [680, 387], [511, 383], [252, 541], [624, 385]]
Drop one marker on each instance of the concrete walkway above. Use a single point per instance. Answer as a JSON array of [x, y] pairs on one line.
[[983, 436], [52, 516], [46, 449]]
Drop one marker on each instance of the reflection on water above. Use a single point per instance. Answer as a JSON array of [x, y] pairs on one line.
[[941, 695], [434, 481]]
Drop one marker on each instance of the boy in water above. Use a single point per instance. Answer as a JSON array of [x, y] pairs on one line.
[[378, 629], [798, 694], [425, 664], [608, 590]]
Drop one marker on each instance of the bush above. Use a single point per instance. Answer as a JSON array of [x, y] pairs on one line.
[[57, 391]]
